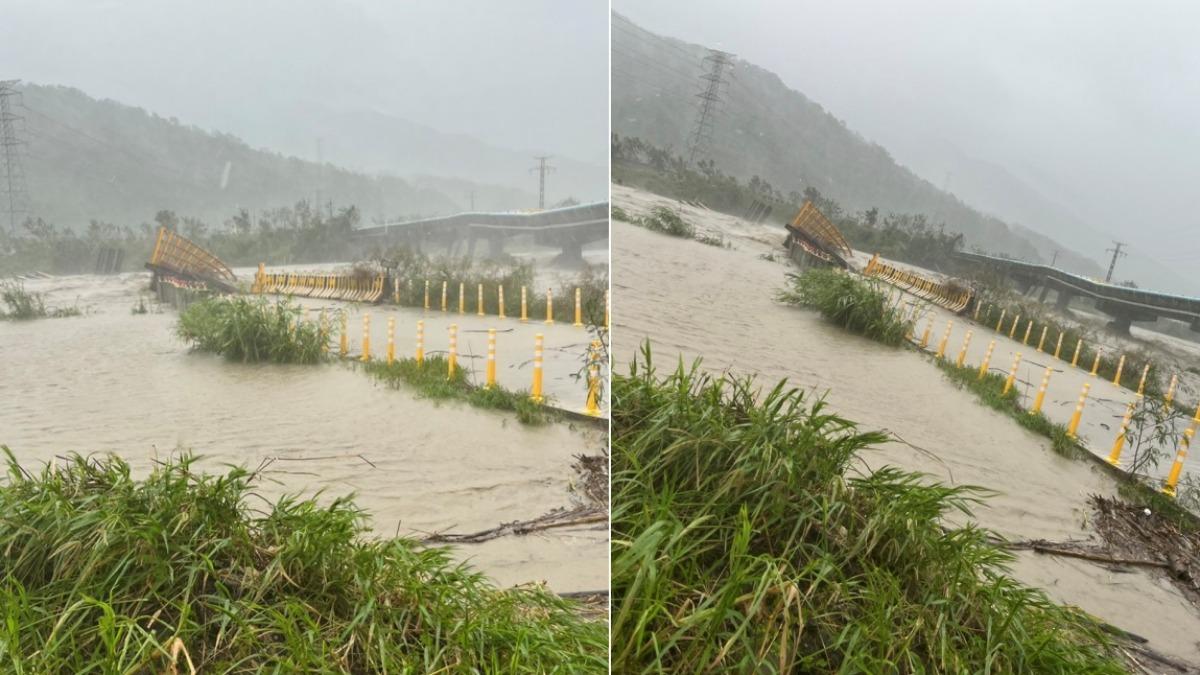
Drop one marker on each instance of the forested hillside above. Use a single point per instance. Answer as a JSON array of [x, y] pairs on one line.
[[766, 131], [100, 160]]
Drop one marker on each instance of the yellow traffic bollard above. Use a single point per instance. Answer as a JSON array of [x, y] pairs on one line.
[[452, 353], [500, 300], [524, 307], [1073, 427], [987, 358], [491, 358], [549, 305], [593, 404], [420, 355], [462, 297], [1058, 346], [366, 342], [578, 308], [1012, 332], [1180, 457], [1078, 349], [1196, 417], [391, 346], [962, 352], [1028, 330], [444, 284], [344, 348], [396, 291], [978, 305], [1114, 457], [941, 350], [1171, 389], [479, 301], [1120, 367], [1142, 382], [925, 335], [606, 308], [1041, 394], [1042, 340], [1096, 363], [535, 392], [1012, 374], [324, 331], [1000, 323], [426, 294]]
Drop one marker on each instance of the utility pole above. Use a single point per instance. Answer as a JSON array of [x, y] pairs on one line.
[[1055, 258], [709, 99], [542, 168], [13, 179], [1117, 252]]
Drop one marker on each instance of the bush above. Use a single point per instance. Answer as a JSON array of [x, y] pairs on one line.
[[741, 545], [858, 305], [254, 329], [105, 573]]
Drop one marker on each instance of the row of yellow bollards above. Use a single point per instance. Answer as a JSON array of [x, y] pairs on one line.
[[591, 407], [1169, 485], [501, 313]]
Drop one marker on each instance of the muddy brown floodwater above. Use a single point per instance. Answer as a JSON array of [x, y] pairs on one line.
[[693, 300], [111, 381]]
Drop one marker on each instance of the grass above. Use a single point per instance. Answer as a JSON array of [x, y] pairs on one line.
[[860, 306], [253, 329], [431, 380], [743, 543], [664, 220], [103, 572], [26, 305]]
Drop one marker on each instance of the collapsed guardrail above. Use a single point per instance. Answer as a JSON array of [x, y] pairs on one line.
[[354, 288], [949, 296]]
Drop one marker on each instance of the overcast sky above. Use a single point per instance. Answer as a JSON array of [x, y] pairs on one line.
[[528, 75], [1096, 104]]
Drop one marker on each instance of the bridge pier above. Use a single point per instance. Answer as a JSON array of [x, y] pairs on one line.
[[1063, 302], [1122, 317], [572, 253]]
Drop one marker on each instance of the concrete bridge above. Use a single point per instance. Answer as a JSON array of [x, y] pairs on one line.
[[568, 228], [1125, 305]]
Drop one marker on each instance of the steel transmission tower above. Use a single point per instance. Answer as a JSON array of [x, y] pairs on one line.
[[12, 180], [710, 98], [542, 168]]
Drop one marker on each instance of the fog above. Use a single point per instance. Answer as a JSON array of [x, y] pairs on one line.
[[1086, 109], [527, 79]]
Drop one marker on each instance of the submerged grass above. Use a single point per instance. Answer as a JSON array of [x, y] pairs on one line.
[[253, 329], [858, 305], [431, 380], [741, 545], [103, 572], [25, 305]]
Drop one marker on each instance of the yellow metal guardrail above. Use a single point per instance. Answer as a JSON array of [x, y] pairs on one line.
[[175, 254], [330, 286], [951, 297]]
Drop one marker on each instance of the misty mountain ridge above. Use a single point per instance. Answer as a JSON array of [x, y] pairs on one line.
[[100, 159], [769, 130]]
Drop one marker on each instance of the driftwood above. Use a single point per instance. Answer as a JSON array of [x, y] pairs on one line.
[[582, 515], [1073, 550]]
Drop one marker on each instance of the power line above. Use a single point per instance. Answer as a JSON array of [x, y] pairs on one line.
[[14, 185], [1117, 252], [542, 168], [710, 99]]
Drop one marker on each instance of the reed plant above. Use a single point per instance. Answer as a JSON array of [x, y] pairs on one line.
[[253, 329], [857, 304], [744, 542], [181, 571]]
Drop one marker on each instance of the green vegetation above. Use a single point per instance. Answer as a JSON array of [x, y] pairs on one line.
[[854, 303], [431, 380], [414, 269], [741, 544], [252, 329], [666, 221], [24, 305], [107, 573]]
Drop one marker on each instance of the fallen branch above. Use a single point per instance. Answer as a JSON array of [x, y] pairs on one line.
[[582, 515], [1051, 548]]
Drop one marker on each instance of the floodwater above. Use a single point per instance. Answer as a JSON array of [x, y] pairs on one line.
[[694, 300], [111, 381]]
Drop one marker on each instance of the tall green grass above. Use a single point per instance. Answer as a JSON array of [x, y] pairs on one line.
[[105, 573], [25, 305], [252, 329], [742, 543], [858, 305]]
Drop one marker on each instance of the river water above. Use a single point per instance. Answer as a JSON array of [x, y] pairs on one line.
[[111, 381], [694, 300]]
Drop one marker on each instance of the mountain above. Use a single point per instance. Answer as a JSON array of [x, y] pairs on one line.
[[99, 159], [373, 141], [765, 128]]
